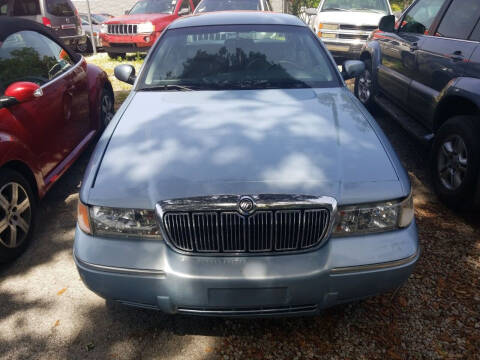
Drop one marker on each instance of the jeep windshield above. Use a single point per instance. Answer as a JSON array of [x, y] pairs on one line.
[[356, 5], [238, 57], [153, 7], [225, 5]]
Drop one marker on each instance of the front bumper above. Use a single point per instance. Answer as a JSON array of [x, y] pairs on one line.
[[74, 40], [344, 48], [150, 274], [128, 43]]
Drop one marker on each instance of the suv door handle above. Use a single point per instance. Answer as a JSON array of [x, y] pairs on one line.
[[414, 47], [457, 56]]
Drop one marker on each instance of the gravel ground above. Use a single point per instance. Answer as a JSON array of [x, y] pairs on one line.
[[47, 313]]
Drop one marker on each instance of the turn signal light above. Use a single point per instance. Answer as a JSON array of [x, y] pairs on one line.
[[83, 218], [46, 21]]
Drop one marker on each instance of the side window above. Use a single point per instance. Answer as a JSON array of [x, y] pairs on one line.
[[420, 17], [185, 8], [26, 8], [476, 33], [460, 19], [4, 7], [30, 56]]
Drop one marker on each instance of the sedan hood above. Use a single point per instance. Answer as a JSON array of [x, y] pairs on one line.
[[302, 141]]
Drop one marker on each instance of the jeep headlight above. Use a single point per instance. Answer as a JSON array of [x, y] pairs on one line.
[[146, 28], [118, 222], [104, 28], [373, 218]]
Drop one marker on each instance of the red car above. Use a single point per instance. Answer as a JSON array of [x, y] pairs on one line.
[[141, 26], [52, 104]]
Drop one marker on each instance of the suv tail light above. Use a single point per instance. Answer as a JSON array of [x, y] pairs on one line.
[[46, 21]]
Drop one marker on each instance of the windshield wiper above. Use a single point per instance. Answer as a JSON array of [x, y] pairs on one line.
[[369, 10], [167, 87], [335, 9]]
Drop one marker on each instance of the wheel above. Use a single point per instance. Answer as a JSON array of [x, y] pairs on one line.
[[85, 48], [115, 56], [17, 214], [365, 89], [455, 161], [107, 102]]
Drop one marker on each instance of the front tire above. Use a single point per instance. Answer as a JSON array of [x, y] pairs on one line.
[[455, 161], [365, 89], [17, 214], [86, 48], [107, 107], [115, 56]]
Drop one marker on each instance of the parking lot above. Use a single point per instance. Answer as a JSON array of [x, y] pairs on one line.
[[46, 311]]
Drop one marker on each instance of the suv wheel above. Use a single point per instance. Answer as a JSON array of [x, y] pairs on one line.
[[17, 214], [86, 48], [455, 161], [365, 86], [115, 56]]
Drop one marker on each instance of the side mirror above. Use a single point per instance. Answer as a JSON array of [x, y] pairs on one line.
[[184, 11], [352, 68], [125, 73], [311, 11], [23, 91], [387, 23], [126, 12]]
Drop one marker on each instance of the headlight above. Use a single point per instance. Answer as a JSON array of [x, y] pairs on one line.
[[146, 28], [364, 219], [104, 28], [328, 26], [106, 221]]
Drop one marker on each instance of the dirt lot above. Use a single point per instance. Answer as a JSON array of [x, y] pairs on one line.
[[46, 312]]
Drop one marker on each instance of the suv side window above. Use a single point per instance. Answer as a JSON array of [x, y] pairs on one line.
[[460, 19], [476, 33], [30, 56], [4, 7], [26, 8], [420, 17]]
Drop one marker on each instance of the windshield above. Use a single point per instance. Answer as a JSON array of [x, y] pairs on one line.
[[238, 57], [60, 8], [154, 7], [356, 5], [221, 5]]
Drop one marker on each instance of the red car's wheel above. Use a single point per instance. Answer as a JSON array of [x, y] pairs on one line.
[[17, 214]]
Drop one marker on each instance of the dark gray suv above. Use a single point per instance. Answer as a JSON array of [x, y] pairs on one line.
[[60, 15], [425, 71]]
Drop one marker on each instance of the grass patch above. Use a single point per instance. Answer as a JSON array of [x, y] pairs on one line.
[[107, 64]]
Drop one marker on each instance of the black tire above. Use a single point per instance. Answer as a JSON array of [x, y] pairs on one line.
[[87, 49], [14, 217], [366, 80], [107, 107], [115, 56], [455, 173]]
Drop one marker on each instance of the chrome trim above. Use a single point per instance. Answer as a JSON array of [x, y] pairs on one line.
[[373, 267], [248, 311], [118, 270], [63, 74], [229, 203]]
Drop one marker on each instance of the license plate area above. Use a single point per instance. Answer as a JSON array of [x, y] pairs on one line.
[[247, 297]]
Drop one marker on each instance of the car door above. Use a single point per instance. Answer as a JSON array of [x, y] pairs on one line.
[[399, 49], [443, 56], [48, 122]]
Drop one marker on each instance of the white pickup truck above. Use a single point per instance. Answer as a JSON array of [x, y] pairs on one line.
[[345, 25]]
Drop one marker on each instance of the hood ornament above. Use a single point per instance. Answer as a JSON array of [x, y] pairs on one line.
[[246, 205]]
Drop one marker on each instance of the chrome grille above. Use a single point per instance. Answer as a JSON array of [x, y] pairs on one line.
[[358, 27], [122, 29], [231, 232]]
